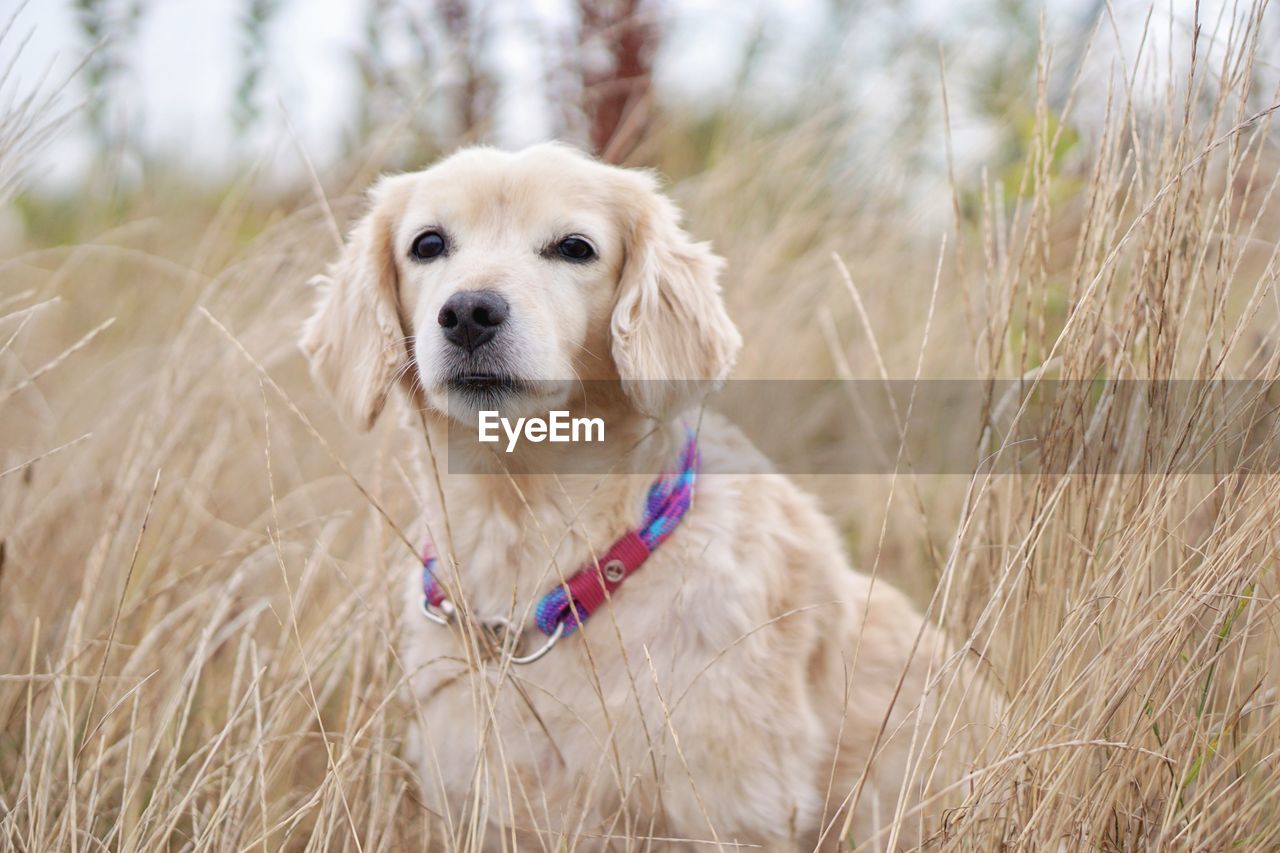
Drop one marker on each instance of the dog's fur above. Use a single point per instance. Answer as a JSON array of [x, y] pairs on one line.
[[741, 683]]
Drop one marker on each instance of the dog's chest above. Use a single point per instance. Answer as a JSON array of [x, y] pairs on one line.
[[540, 727], [613, 721], [680, 678]]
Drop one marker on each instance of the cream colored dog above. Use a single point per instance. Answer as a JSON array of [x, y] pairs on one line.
[[744, 686]]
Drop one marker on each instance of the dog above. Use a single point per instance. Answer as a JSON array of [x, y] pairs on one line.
[[573, 684]]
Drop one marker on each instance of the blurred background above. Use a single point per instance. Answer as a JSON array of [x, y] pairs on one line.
[[195, 93]]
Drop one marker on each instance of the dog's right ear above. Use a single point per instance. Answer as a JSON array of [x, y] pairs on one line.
[[354, 339]]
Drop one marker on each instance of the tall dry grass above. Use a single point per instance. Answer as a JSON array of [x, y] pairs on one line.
[[199, 607]]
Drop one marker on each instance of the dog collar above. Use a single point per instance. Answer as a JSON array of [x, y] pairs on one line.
[[563, 610]]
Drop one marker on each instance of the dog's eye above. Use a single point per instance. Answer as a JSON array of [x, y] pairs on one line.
[[575, 249], [428, 245]]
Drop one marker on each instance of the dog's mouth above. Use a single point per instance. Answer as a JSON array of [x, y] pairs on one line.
[[486, 383], [483, 389]]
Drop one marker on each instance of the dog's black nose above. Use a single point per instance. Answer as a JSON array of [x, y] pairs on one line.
[[470, 318]]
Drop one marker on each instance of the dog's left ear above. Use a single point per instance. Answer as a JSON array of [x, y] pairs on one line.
[[672, 339], [354, 340]]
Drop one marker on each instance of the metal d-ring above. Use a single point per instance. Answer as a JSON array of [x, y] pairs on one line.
[[541, 651], [446, 614]]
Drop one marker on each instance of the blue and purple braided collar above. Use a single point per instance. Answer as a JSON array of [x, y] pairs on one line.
[[569, 604]]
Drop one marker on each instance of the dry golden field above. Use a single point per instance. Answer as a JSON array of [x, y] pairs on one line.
[[201, 570]]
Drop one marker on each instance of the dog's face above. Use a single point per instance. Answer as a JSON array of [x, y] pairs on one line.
[[502, 279]]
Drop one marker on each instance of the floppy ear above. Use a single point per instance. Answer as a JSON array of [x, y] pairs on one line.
[[669, 326], [354, 340]]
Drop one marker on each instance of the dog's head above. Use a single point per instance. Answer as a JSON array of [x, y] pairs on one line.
[[495, 275]]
